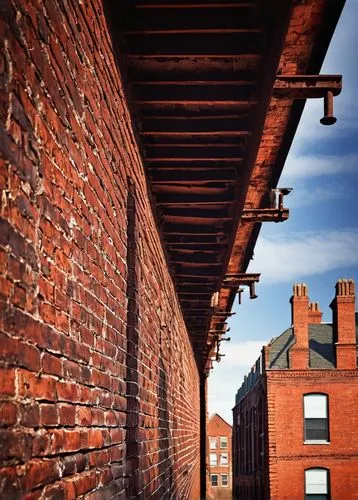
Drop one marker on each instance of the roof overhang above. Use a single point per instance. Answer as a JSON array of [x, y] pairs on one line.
[[216, 91]]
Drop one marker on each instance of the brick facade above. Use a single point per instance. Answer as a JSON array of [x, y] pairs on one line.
[[90, 322], [269, 416], [219, 443]]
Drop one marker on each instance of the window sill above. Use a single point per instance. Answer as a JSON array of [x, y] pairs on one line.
[[316, 441]]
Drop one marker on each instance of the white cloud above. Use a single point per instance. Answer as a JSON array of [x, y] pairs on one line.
[[303, 166], [286, 259], [310, 132], [305, 195], [227, 377]]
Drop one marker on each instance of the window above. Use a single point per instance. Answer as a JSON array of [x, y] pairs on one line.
[[224, 480], [213, 459], [224, 459], [213, 443], [316, 418], [316, 484], [223, 442], [214, 479]]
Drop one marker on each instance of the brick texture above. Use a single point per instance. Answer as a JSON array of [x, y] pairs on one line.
[[289, 456], [99, 390]]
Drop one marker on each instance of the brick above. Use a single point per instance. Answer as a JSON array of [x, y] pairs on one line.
[[14, 444], [40, 472], [9, 485], [85, 483], [37, 386], [30, 415], [48, 415], [18, 353], [8, 413], [67, 414], [52, 365], [7, 382]]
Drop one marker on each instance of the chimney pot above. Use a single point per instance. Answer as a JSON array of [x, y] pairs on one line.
[[314, 314], [343, 306], [299, 353]]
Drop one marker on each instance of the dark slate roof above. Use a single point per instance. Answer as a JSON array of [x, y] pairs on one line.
[[321, 343], [322, 353]]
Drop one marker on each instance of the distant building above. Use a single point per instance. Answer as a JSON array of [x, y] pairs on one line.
[[219, 458], [295, 432]]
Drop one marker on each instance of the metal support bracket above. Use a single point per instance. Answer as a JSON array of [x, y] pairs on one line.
[[274, 213], [236, 280], [223, 314], [310, 87]]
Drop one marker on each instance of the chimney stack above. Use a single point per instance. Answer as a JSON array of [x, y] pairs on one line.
[[314, 314], [343, 307], [299, 353]]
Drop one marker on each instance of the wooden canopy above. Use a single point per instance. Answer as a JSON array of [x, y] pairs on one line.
[[216, 90]]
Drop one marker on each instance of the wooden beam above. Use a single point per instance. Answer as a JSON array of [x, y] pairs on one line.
[[192, 176], [197, 273], [221, 103], [207, 204], [193, 263], [201, 159], [222, 65], [193, 219], [195, 44], [194, 31], [216, 213], [201, 83], [194, 135], [142, 4], [209, 123]]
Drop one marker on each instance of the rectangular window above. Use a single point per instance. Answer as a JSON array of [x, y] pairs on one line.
[[316, 417], [214, 479], [213, 459], [223, 442], [213, 443], [316, 484], [224, 459], [224, 480]]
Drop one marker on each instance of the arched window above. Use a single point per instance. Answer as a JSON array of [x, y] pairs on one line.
[[316, 484], [316, 418]]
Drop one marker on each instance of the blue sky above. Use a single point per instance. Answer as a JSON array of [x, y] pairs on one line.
[[319, 243]]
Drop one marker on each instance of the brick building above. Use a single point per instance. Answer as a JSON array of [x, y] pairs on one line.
[[295, 432], [219, 458], [133, 141]]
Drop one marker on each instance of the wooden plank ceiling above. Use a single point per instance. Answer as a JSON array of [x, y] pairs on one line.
[[200, 80]]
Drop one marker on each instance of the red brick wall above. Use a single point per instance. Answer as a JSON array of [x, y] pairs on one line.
[[92, 385], [289, 457], [250, 457]]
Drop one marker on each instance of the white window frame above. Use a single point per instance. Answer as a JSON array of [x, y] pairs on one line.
[[227, 459], [226, 441], [213, 459], [217, 480], [227, 480], [316, 482], [213, 443], [315, 405]]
